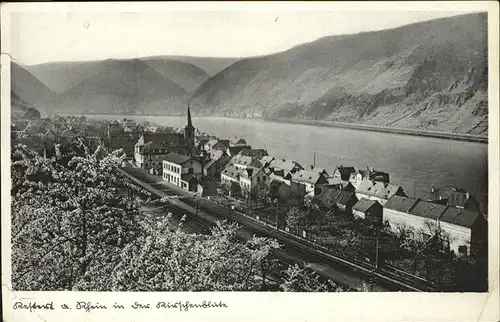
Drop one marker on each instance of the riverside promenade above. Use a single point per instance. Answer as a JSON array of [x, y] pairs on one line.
[[354, 276]]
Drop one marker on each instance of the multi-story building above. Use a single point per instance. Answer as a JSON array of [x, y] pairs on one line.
[[182, 170], [153, 147]]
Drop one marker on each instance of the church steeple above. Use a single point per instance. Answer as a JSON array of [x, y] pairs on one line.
[[189, 133], [189, 117]]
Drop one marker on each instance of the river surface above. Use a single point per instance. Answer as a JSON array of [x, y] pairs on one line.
[[415, 163]]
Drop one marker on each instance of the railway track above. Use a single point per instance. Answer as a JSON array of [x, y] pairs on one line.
[[388, 276]]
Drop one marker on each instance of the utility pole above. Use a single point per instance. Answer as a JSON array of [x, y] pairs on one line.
[[314, 159], [277, 222], [414, 188], [376, 249]]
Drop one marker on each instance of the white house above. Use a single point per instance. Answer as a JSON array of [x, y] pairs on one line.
[[251, 180], [397, 212], [417, 214], [182, 170], [466, 229], [254, 180]]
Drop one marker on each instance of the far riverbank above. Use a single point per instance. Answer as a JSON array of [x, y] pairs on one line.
[[354, 126], [375, 128]]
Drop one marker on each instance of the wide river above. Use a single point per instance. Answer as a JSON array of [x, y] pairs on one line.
[[415, 163]]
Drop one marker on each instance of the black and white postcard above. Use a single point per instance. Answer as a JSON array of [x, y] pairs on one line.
[[250, 161]]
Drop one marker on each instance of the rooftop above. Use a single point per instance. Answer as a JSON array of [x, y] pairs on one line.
[[330, 196], [283, 164], [161, 140], [378, 189], [461, 217], [232, 172], [306, 176], [243, 160], [176, 158], [400, 203], [266, 159], [364, 204], [345, 172], [427, 209]]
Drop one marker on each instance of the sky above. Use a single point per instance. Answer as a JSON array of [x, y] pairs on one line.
[[38, 37]]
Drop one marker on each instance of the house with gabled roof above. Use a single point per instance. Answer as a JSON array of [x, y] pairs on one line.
[[152, 148], [213, 167], [321, 171], [313, 181], [254, 180], [429, 212], [397, 211], [368, 210], [377, 190], [241, 161], [182, 170], [468, 230], [249, 178], [235, 150], [288, 166], [332, 198], [418, 214], [368, 174], [343, 173], [341, 184]]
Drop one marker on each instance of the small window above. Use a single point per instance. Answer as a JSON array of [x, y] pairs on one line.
[[264, 179], [258, 179], [462, 250]]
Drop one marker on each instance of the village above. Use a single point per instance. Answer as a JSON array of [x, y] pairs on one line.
[[356, 213]]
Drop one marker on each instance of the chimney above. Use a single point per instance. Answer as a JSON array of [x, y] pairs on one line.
[[340, 166], [312, 167], [467, 195], [433, 189]]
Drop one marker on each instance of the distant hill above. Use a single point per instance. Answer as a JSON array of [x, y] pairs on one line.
[[120, 87], [26, 88], [429, 75], [186, 75], [18, 107], [61, 76], [211, 65]]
